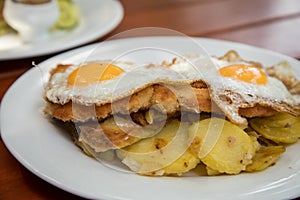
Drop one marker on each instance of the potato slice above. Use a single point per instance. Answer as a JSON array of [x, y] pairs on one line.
[[265, 157], [256, 144], [224, 147], [183, 164], [163, 154], [280, 128], [212, 172]]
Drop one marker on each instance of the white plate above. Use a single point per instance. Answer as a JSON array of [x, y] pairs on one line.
[[98, 17], [45, 149]]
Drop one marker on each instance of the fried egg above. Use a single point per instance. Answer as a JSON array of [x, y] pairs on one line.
[[241, 84], [106, 81], [232, 84]]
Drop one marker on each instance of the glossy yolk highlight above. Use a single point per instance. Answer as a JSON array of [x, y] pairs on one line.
[[93, 73], [244, 73]]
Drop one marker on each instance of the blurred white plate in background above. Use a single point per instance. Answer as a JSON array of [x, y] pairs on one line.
[[98, 17]]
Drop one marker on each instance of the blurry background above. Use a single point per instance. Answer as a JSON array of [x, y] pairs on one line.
[[271, 24]]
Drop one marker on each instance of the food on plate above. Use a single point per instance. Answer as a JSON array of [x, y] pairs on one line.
[[4, 27], [280, 128], [69, 15], [284, 72], [158, 155], [225, 114], [265, 157], [233, 149]]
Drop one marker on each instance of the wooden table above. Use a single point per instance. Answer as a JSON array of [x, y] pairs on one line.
[[271, 24]]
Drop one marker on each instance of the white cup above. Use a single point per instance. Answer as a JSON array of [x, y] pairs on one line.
[[32, 21]]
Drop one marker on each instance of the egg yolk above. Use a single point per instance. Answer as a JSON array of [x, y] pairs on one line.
[[244, 73], [93, 73]]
